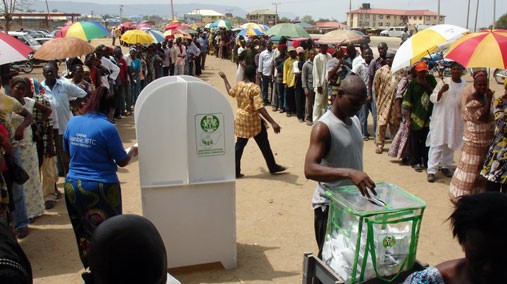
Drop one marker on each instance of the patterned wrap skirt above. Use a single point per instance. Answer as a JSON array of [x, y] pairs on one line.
[[90, 203]]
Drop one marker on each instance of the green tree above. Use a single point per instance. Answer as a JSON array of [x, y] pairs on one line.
[[283, 20], [308, 19], [323, 20], [501, 23]]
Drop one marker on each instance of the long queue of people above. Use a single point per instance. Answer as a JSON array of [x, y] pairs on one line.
[[429, 118]]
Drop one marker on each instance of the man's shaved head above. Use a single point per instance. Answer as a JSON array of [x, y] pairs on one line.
[[353, 85]]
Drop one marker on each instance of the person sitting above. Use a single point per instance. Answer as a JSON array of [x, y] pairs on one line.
[[479, 222], [127, 249]]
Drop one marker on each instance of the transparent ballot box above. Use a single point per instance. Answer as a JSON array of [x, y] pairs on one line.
[[374, 237]]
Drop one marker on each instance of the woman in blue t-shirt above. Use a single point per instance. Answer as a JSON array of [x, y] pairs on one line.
[[92, 188]]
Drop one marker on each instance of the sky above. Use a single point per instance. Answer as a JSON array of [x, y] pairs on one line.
[[455, 10]]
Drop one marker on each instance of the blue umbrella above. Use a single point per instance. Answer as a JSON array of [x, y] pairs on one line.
[[250, 32], [156, 35]]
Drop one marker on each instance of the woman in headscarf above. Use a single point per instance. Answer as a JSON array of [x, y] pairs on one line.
[[92, 188], [128, 249], [478, 134]]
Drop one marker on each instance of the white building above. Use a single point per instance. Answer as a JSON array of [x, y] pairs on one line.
[[383, 18], [201, 15]]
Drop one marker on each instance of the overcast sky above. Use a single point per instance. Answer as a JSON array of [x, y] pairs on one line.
[[455, 10]]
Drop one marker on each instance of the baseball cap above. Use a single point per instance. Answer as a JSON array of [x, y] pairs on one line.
[[421, 66], [291, 49]]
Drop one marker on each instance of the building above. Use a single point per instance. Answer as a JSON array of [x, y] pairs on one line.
[[383, 18], [263, 16], [324, 27], [49, 21], [204, 16]]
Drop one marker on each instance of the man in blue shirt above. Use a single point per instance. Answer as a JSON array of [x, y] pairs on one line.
[[203, 41]]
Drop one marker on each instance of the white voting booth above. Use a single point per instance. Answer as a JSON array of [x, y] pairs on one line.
[[185, 132]]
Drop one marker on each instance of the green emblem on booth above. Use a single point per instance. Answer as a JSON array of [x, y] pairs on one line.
[[210, 123], [389, 241]]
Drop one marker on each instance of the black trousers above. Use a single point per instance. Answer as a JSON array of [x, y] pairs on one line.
[[290, 100], [300, 102], [320, 224], [262, 141], [419, 151], [497, 187]]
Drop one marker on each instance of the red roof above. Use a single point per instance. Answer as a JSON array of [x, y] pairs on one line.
[[333, 25], [396, 12]]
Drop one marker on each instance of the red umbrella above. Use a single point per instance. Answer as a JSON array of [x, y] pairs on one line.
[[12, 49], [127, 25], [62, 32], [172, 26]]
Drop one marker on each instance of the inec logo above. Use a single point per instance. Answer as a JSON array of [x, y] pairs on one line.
[[389, 241], [210, 123]]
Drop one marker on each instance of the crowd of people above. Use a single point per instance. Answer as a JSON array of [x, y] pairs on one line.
[[45, 128]]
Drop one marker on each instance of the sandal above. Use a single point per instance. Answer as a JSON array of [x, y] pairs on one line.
[[22, 232], [49, 204]]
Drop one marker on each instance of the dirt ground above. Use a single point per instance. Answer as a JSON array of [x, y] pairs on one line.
[[274, 214]]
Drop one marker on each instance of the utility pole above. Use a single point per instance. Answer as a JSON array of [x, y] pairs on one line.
[[468, 13], [350, 13], [476, 15], [121, 12], [172, 11], [276, 10], [92, 15], [438, 12], [494, 13]]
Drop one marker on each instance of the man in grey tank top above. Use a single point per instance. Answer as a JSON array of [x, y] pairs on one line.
[[335, 155]]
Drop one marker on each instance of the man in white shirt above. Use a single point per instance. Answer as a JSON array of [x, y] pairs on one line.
[[59, 93], [264, 69], [361, 67], [102, 52], [320, 82]]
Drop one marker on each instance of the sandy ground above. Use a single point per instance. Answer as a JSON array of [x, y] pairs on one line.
[[274, 214]]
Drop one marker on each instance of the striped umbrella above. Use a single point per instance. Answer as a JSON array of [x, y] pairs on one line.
[[423, 43], [173, 33], [265, 28], [483, 49], [85, 31], [156, 35], [221, 24], [253, 26], [12, 49], [250, 31]]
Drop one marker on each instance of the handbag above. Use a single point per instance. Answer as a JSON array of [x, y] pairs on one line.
[[17, 173]]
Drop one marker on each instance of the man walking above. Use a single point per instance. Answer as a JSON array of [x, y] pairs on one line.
[[361, 67]]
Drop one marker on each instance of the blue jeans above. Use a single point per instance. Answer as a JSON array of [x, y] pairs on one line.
[[266, 83], [18, 192], [135, 89], [363, 116]]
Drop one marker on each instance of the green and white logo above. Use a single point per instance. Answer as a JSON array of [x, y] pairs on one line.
[[389, 241], [210, 123]]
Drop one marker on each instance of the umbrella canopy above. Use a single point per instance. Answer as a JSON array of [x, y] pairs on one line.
[[340, 37], [482, 49], [221, 24], [424, 42], [171, 26], [12, 49], [174, 33], [288, 30], [250, 31], [207, 26], [156, 35], [144, 26], [85, 30], [253, 26], [136, 36], [265, 28], [127, 25], [61, 48]]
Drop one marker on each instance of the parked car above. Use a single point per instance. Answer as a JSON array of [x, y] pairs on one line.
[[26, 39], [42, 40], [53, 33], [393, 31]]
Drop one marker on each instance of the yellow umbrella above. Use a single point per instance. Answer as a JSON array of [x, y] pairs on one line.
[[136, 36]]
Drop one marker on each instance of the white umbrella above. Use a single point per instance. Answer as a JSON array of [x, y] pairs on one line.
[[12, 49], [423, 43]]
